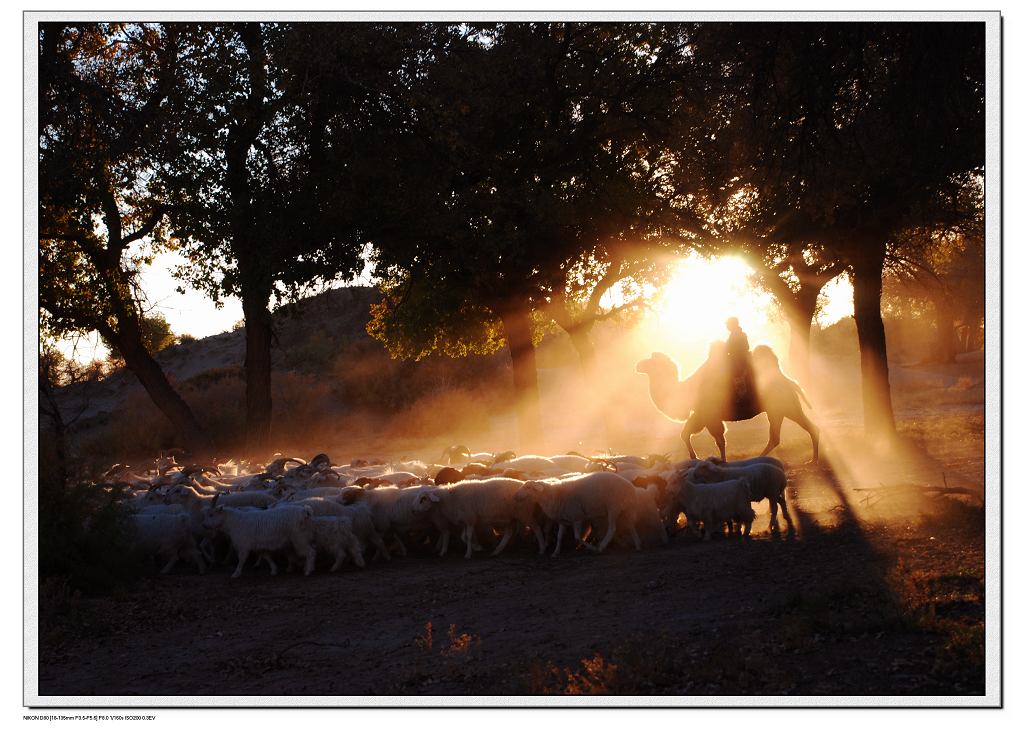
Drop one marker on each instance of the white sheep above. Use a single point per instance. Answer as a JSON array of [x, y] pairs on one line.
[[578, 500], [364, 529], [333, 535], [766, 482], [395, 511], [646, 518], [265, 530], [319, 505], [187, 493], [482, 505], [715, 503], [169, 535]]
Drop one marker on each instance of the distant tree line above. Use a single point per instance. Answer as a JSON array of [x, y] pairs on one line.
[[501, 178]]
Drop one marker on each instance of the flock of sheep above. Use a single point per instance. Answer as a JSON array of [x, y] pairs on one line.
[[297, 510]]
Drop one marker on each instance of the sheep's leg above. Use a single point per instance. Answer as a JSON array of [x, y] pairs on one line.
[[402, 551], [505, 538], [170, 563], [774, 433], [558, 540], [613, 516], [469, 540], [206, 547], [773, 507], [339, 560], [196, 556], [243, 556], [442, 543], [785, 513], [382, 549], [539, 534], [310, 561], [577, 531], [355, 551], [636, 537]]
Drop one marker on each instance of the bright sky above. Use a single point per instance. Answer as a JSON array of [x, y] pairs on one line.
[[189, 313], [690, 311], [693, 307]]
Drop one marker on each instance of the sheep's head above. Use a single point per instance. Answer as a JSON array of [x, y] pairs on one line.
[[425, 501], [214, 517], [703, 472], [350, 495], [530, 490], [456, 454], [476, 469], [320, 462], [653, 485], [503, 456], [448, 475]]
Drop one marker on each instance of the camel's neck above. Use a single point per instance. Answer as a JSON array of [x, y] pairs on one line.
[[669, 396]]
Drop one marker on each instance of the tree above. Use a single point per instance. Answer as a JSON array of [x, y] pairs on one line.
[[849, 134], [263, 184], [529, 173], [101, 92]]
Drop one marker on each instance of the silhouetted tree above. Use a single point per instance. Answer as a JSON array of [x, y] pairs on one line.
[[102, 88], [531, 174], [274, 123], [843, 135]]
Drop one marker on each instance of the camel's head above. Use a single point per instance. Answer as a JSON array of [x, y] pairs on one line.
[[658, 365]]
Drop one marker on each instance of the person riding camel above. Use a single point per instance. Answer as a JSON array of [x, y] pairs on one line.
[[737, 349]]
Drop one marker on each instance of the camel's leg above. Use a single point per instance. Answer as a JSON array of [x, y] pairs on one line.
[[689, 430], [801, 419], [774, 432], [717, 430]]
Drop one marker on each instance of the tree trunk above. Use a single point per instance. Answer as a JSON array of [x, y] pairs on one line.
[[874, 365], [946, 341], [519, 335], [137, 358], [48, 406], [258, 402]]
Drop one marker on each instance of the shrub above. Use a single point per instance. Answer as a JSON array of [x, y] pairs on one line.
[[85, 537]]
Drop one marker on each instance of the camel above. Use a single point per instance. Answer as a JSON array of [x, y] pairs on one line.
[[701, 402]]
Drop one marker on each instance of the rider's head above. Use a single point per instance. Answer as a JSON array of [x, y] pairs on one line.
[[732, 324]]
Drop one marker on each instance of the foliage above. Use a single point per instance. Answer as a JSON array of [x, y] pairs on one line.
[[101, 86], [85, 536], [156, 334], [529, 179]]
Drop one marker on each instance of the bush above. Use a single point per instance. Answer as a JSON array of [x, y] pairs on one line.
[[85, 537]]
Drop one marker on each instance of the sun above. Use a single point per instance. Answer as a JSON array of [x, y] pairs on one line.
[[703, 292]]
